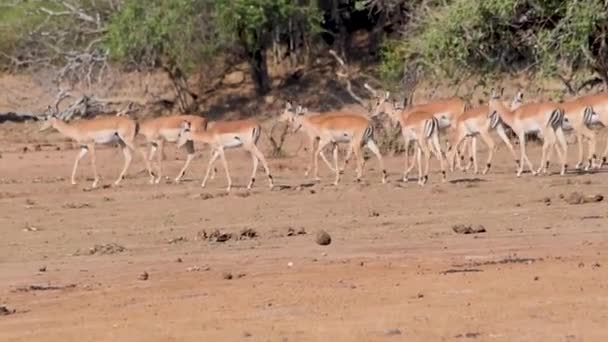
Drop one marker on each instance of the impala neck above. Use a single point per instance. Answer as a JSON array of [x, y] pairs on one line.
[[505, 114], [65, 129]]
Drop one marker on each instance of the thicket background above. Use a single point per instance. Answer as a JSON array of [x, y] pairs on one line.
[[445, 41]]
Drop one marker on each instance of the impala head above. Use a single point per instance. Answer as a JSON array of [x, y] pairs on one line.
[[518, 100], [49, 119], [383, 105], [185, 133], [290, 115]]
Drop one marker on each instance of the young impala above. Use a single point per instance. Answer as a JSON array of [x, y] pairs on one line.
[[99, 130], [476, 122], [545, 119], [166, 129], [421, 127], [222, 135], [339, 127]]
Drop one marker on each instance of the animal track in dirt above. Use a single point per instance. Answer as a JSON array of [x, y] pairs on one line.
[[507, 260], [468, 229], [30, 288], [105, 249], [5, 311], [578, 198]]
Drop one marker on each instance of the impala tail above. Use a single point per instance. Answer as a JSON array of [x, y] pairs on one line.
[[556, 119], [430, 126]]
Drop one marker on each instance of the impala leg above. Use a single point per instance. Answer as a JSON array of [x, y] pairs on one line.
[[548, 142], [312, 147], [581, 152], [436, 150], [359, 156], [214, 155], [337, 169], [419, 162], [587, 133], [318, 150], [126, 151], [189, 157], [131, 147], [254, 149], [523, 156], [487, 139], [159, 160], [153, 148], [83, 151], [408, 168], [500, 130], [253, 171], [225, 164], [473, 155], [349, 154], [91, 148], [375, 150], [564, 144]]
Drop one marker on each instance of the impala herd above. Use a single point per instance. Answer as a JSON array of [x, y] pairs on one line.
[[423, 125]]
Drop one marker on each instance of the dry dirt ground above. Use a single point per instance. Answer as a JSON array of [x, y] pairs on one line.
[[72, 260]]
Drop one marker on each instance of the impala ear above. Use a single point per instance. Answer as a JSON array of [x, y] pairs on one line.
[[387, 95], [186, 125]]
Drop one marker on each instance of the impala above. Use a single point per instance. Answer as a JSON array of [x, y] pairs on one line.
[[99, 130], [545, 119], [580, 114], [312, 132], [222, 135], [421, 127], [338, 127], [477, 122], [166, 129]]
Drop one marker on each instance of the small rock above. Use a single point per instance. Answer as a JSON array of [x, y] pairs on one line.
[[546, 200], [144, 276], [290, 264], [536, 278], [323, 238], [468, 229], [420, 295], [42, 269], [246, 334], [178, 260], [227, 276]]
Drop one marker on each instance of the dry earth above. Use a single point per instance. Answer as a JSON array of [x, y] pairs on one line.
[[72, 260]]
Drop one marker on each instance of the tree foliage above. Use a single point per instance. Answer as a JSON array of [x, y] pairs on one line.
[[460, 38]]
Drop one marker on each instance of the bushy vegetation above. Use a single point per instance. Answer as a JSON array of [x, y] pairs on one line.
[[447, 40], [459, 38]]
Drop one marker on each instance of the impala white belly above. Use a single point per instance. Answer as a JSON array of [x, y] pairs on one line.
[[471, 128], [444, 120], [105, 137], [170, 135], [232, 142], [341, 137], [531, 126]]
